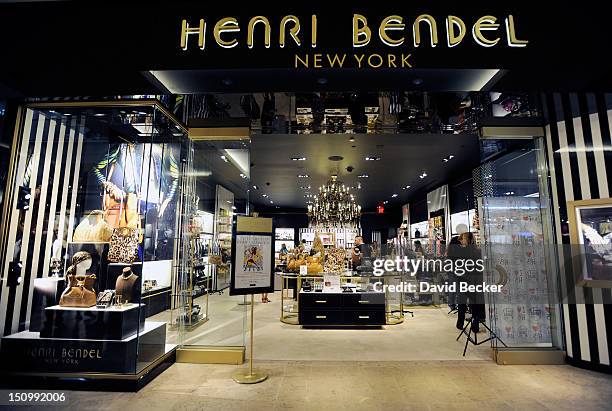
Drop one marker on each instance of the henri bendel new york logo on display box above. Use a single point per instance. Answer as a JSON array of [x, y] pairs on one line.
[[394, 32]]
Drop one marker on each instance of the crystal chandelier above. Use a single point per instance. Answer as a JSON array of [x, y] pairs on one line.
[[334, 206]]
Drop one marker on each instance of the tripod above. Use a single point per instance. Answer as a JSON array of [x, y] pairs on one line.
[[474, 340]]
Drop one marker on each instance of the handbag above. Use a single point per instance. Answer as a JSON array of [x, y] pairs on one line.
[[80, 292], [93, 228], [124, 245]]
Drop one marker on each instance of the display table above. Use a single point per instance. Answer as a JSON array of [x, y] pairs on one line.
[[291, 301], [113, 323], [329, 308]]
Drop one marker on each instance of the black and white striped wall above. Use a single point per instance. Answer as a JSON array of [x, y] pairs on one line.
[[580, 161], [47, 161]]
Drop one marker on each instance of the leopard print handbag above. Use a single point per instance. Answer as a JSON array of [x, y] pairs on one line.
[[124, 245]]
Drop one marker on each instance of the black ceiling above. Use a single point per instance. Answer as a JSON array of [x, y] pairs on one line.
[[403, 157]]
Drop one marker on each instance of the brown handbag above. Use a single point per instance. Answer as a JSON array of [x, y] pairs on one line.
[[80, 291]]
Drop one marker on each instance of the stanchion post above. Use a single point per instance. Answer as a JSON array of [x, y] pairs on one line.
[[250, 375]]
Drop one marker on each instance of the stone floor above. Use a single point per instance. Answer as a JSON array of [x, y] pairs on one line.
[[429, 335], [408, 385]]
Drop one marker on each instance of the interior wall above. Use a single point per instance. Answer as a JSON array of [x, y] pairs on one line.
[[581, 121]]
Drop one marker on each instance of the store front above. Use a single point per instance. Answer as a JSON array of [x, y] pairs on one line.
[[117, 243]]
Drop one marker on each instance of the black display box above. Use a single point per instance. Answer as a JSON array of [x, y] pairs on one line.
[[113, 323]]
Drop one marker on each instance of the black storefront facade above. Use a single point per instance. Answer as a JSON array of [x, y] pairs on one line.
[[76, 63]]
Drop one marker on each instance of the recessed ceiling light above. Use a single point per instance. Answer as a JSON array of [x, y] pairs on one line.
[[406, 188], [224, 158], [352, 139], [298, 158], [386, 202], [394, 195], [271, 202], [372, 158], [243, 175], [363, 176], [256, 187], [423, 175], [303, 176], [264, 195]]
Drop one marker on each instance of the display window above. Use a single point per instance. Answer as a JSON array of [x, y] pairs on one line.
[[92, 237]]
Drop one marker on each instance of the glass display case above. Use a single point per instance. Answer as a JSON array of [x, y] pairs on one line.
[[92, 236]]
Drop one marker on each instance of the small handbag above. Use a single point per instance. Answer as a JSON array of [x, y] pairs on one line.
[[124, 245], [80, 292]]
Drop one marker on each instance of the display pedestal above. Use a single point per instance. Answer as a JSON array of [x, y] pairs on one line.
[[27, 351], [47, 292], [113, 323]]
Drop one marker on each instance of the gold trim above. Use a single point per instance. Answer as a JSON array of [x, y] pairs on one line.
[[219, 133], [253, 225], [511, 132], [211, 355], [571, 211], [114, 103], [10, 187], [528, 357]]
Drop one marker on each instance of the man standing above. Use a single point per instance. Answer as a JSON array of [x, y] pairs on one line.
[[360, 251]]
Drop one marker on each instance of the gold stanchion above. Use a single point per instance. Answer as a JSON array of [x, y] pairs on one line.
[[250, 375]]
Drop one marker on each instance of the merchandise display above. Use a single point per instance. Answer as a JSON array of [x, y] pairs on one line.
[[335, 260], [94, 246], [80, 288], [123, 245], [93, 228], [124, 286]]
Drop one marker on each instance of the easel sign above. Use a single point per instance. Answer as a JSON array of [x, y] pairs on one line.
[[252, 256]]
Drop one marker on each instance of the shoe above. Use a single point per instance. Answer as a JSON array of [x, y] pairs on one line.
[[459, 325]]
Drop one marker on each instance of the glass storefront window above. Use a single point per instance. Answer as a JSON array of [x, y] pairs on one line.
[[216, 186], [517, 242], [92, 237]]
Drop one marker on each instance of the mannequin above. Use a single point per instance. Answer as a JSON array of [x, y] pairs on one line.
[[125, 284]]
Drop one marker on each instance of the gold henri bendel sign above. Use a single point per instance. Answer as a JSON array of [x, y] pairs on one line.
[[392, 31]]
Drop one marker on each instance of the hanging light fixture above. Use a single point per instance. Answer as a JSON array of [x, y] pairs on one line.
[[334, 206]]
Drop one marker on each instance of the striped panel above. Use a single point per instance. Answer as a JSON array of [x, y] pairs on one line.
[[47, 153], [578, 138]]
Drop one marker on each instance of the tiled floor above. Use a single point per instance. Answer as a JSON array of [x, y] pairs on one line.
[[409, 385]]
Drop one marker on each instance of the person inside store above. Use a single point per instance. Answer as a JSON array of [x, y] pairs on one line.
[[284, 250], [418, 248], [453, 252], [472, 300], [361, 251]]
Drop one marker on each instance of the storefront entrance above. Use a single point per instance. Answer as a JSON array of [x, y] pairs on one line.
[[121, 231]]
